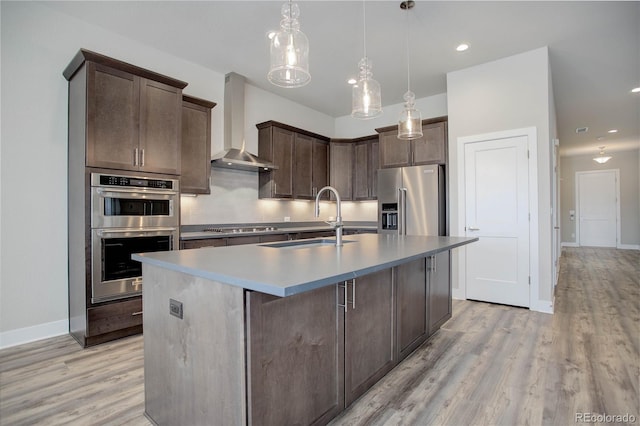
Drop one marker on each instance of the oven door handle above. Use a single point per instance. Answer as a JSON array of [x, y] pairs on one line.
[[106, 233], [141, 191]]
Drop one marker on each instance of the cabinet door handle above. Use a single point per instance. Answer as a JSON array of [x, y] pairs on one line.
[[142, 157], [344, 287], [135, 156], [136, 313], [353, 293], [433, 264], [473, 228], [275, 188]]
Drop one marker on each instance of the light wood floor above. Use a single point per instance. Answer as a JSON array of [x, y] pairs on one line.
[[489, 365]]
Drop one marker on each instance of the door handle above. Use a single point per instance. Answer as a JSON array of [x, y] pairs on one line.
[[473, 228]]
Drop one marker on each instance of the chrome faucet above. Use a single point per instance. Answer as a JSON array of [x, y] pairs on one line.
[[337, 225]]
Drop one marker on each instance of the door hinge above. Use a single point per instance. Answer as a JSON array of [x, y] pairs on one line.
[[529, 279], [527, 153]]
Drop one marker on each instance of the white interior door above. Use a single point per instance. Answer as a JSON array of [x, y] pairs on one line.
[[497, 211], [597, 208]]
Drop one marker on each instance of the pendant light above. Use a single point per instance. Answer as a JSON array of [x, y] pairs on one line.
[[410, 123], [602, 158], [366, 99], [289, 51]]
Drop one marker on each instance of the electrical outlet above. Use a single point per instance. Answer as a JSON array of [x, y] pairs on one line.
[[175, 308], [287, 218]]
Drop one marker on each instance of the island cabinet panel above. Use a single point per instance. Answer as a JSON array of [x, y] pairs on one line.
[[194, 363], [439, 285], [294, 358], [369, 332], [411, 306]]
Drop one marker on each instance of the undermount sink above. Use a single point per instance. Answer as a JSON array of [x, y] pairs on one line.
[[305, 243]]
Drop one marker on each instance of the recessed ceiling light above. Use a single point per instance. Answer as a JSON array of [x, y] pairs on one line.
[[613, 131], [462, 47], [352, 81], [636, 90], [271, 35]]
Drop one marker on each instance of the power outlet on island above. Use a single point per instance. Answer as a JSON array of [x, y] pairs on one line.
[[287, 218], [175, 308]]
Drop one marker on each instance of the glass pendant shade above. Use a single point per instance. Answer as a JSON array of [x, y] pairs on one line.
[[289, 51], [602, 158], [366, 100], [410, 122]]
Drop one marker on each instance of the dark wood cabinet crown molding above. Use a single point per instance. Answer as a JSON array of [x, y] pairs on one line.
[[271, 123], [85, 55], [425, 121], [198, 101]]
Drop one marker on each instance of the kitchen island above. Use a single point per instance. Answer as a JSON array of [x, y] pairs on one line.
[[289, 332]]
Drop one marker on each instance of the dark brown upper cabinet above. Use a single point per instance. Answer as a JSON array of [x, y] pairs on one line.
[[196, 145], [301, 157], [365, 168], [431, 148], [128, 118], [341, 175]]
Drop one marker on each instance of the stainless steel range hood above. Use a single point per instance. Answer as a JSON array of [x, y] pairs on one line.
[[234, 155]]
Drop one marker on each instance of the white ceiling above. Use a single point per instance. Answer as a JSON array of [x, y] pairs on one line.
[[594, 49]]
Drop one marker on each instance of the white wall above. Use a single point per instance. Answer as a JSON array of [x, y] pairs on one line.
[[511, 93]]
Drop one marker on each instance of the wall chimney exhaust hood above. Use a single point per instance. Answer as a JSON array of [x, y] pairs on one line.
[[234, 155]]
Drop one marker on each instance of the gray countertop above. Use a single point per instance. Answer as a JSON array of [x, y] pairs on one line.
[[291, 270]]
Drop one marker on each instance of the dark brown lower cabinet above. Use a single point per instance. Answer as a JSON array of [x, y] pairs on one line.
[[308, 358], [368, 341], [411, 306], [295, 358], [439, 285]]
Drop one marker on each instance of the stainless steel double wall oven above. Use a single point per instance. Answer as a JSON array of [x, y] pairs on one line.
[[129, 214]]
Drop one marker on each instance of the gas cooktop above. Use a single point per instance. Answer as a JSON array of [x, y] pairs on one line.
[[249, 229]]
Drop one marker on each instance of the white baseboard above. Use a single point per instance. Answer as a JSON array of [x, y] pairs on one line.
[[545, 306], [629, 246], [569, 244], [33, 333]]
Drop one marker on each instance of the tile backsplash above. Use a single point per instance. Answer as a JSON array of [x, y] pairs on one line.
[[234, 199]]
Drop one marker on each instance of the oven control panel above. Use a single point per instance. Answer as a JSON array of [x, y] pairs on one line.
[[136, 182]]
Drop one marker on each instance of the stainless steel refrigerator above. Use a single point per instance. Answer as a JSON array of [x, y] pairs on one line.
[[411, 201]]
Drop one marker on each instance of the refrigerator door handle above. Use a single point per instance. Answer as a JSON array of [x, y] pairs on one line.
[[402, 211]]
